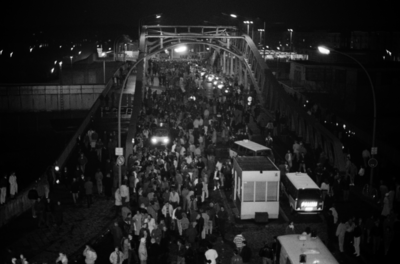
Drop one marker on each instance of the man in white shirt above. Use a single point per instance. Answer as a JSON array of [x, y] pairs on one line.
[[211, 255]]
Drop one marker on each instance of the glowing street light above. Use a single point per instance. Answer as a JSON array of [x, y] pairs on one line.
[[180, 49], [248, 25], [30, 49], [158, 16], [233, 15], [55, 62], [11, 54], [52, 70], [71, 60], [79, 53]]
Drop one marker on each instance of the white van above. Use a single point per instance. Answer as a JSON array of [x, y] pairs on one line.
[[250, 148], [303, 249]]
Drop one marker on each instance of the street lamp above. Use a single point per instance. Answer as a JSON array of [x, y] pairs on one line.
[[248, 25], [233, 15], [291, 32], [326, 50], [261, 30]]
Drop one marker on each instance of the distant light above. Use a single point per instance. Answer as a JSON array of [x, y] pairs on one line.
[[79, 53], [109, 48], [30, 50], [60, 46], [158, 16], [58, 181], [337, 124], [323, 50], [180, 49], [60, 63], [249, 99], [277, 48], [233, 15], [11, 54], [208, 48], [1, 52], [72, 48], [103, 54], [52, 70], [344, 126], [55, 62], [193, 98]]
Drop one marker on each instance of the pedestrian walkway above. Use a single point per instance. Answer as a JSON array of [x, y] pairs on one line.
[[80, 224]]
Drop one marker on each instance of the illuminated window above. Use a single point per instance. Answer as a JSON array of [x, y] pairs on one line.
[[272, 191], [248, 191]]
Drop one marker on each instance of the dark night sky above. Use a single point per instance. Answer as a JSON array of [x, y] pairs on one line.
[[353, 13]]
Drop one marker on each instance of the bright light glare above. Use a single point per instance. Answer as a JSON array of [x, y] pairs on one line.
[[323, 50], [166, 140], [52, 70], [60, 63], [11, 54], [30, 50], [57, 168], [158, 16], [181, 49], [153, 140], [233, 15], [220, 86], [79, 52]]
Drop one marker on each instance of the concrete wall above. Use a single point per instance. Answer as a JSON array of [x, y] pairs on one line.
[[22, 98]]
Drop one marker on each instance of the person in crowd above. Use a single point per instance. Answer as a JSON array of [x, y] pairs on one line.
[[90, 255], [99, 181], [3, 189], [116, 257], [89, 191], [266, 254], [246, 253], [290, 229], [236, 258], [143, 249], [211, 255], [238, 240], [13, 184], [62, 258]]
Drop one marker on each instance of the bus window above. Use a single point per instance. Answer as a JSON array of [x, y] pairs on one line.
[[309, 194]]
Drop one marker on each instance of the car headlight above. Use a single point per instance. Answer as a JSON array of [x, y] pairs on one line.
[[166, 140], [153, 140]]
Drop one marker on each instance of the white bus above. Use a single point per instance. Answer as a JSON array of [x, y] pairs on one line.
[[304, 195], [303, 249], [250, 148]]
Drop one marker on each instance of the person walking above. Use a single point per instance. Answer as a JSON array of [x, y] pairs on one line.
[[99, 181], [236, 258], [238, 240], [13, 184], [357, 237], [116, 257], [89, 191], [266, 254], [246, 253], [75, 190], [3, 189], [62, 258], [90, 255], [340, 233], [211, 255], [143, 250]]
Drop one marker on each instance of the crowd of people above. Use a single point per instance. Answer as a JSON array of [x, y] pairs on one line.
[[167, 201]]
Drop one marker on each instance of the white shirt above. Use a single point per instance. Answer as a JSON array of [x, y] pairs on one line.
[[212, 255]]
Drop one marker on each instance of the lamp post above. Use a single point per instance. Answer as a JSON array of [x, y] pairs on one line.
[[247, 22], [326, 50], [291, 32], [261, 30]]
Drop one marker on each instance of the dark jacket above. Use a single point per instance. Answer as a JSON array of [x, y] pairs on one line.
[[246, 254]]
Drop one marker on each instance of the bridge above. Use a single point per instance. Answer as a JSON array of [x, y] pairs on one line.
[[236, 54]]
